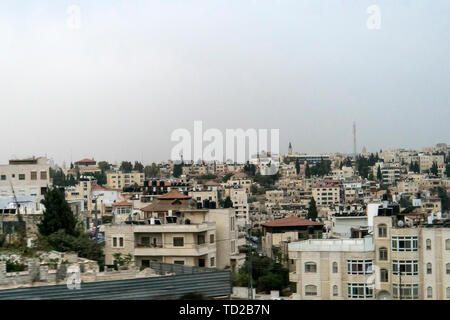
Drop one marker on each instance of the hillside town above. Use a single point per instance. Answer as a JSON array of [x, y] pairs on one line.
[[366, 225]]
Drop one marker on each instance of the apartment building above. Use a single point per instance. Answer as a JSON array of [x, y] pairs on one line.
[[84, 166], [345, 172], [239, 198], [169, 230], [326, 194], [201, 196], [426, 161], [119, 180], [274, 196], [400, 260], [390, 175], [28, 177]]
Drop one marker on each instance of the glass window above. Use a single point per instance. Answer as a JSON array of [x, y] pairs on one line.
[[384, 275], [359, 267], [178, 241], [447, 244], [448, 292], [43, 175], [335, 291], [447, 268], [429, 268], [382, 231], [429, 292], [406, 244], [310, 267], [359, 291], [310, 290], [211, 238], [335, 267], [405, 267], [428, 244], [406, 291], [383, 254]]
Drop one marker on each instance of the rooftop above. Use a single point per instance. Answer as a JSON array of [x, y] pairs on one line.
[[346, 245], [291, 222]]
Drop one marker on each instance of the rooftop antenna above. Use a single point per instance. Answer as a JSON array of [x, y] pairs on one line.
[[354, 139]]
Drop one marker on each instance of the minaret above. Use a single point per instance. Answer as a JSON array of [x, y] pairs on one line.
[[290, 149]]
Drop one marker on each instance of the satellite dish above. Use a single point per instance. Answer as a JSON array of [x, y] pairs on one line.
[[400, 224]]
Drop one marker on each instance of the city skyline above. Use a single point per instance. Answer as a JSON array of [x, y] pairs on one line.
[[123, 76]]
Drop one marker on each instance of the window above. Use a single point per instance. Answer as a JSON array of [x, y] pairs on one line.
[[405, 267], [359, 291], [178, 241], [21, 176], [211, 238], [447, 268], [404, 243], [212, 261], [33, 175], [406, 291], [178, 262], [335, 291], [43, 175], [200, 239], [117, 242], [447, 292], [383, 254], [359, 267], [384, 275], [428, 244], [43, 190], [310, 267], [447, 244], [429, 268], [310, 290], [335, 267], [3, 177], [429, 292], [382, 231]]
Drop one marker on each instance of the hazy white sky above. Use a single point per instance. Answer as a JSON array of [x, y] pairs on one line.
[[134, 71]]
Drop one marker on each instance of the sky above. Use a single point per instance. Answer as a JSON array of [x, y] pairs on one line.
[[111, 80]]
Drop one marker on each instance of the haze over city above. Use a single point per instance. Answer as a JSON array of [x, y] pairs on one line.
[[116, 86]]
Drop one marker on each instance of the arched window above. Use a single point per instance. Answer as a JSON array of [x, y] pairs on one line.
[[310, 290], [447, 268], [335, 267], [429, 268], [448, 292], [384, 275], [310, 267], [382, 231], [428, 244], [335, 291], [429, 292], [383, 254], [447, 244]]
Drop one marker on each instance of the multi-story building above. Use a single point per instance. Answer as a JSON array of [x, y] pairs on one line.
[[119, 180], [28, 177], [169, 230], [326, 194], [426, 161], [400, 260]]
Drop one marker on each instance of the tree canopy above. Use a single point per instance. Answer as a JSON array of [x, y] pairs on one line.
[[57, 214]]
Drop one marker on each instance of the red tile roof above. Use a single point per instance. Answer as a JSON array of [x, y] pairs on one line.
[[291, 222], [86, 160], [122, 204]]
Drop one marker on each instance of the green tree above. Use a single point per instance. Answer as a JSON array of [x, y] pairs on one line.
[[312, 210], [139, 167], [307, 171], [151, 171], [250, 169], [177, 170], [434, 168], [379, 175], [126, 167], [443, 195], [57, 214], [227, 177], [228, 203], [447, 170], [104, 166], [405, 202], [297, 166]]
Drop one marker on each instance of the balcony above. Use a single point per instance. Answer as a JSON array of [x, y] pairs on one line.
[[187, 250], [174, 227]]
